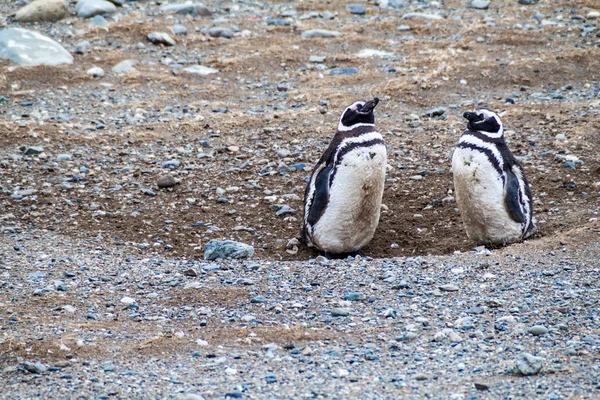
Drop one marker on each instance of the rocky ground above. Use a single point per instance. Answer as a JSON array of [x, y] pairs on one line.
[[112, 182]]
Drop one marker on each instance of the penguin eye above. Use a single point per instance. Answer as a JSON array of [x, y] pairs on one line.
[[359, 106]]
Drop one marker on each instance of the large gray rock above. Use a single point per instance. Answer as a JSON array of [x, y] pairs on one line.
[[28, 48], [91, 8], [43, 10], [216, 249], [190, 8], [125, 66], [528, 364], [200, 70]]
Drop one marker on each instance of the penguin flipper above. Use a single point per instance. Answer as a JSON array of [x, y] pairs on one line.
[[512, 198], [320, 195]]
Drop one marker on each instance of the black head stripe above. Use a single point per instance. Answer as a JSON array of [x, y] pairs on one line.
[[353, 117], [486, 125]]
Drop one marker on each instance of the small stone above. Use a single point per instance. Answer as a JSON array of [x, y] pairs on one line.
[[436, 112], [258, 300], [216, 249], [200, 70], [448, 288], [221, 32], [179, 30], [190, 272], [367, 53], [34, 368], [319, 33], [91, 8], [480, 4], [96, 72], [42, 10], [421, 377], [69, 308], [538, 330], [340, 312], [193, 396], [99, 20], [569, 164], [125, 66], [171, 164], [356, 9], [403, 28], [148, 192], [33, 150], [188, 8], [343, 71], [166, 181], [127, 300], [355, 296], [527, 364], [528, 2], [64, 157], [271, 378], [161, 38], [479, 385], [317, 59]]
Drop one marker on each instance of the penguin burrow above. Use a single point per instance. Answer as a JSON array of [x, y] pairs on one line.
[[342, 200], [492, 193]]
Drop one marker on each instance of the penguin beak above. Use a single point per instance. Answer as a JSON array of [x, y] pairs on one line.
[[369, 106], [471, 116]]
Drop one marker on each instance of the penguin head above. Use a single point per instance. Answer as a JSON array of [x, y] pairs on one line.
[[360, 112], [486, 121]]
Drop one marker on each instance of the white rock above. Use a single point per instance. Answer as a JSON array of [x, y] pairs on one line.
[[125, 66], [91, 8], [200, 70], [364, 53], [96, 72], [127, 300], [29, 48], [418, 15]]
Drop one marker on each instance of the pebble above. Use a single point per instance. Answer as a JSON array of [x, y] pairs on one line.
[[200, 70], [365, 53], [528, 2], [192, 396], [161, 38], [125, 66], [356, 9], [448, 288], [34, 367], [171, 164], [188, 8], [179, 30], [538, 330], [340, 312], [482, 386], [96, 72], [403, 28], [343, 71], [319, 33], [419, 15], [436, 112], [216, 249], [221, 32], [127, 300], [166, 181], [99, 20], [91, 8], [317, 59], [527, 364], [355, 296], [480, 4], [258, 300]]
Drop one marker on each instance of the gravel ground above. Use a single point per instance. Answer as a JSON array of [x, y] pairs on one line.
[[81, 320], [112, 183]]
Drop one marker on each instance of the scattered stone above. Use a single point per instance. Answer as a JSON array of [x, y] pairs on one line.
[[125, 66], [216, 249], [343, 71], [29, 48], [179, 30], [319, 33], [171, 164], [258, 300], [91, 8], [479, 385], [448, 288], [127, 300], [35, 368], [403, 28], [64, 157], [358, 9], [435, 112], [95, 72], [538, 330], [364, 53], [317, 59], [192, 396], [528, 2], [340, 312], [190, 272], [418, 15], [99, 20], [166, 181], [161, 38], [188, 8], [42, 10], [421, 377], [221, 32], [527, 364], [355, 296], [200, 70], [33, 150], [480, 4]]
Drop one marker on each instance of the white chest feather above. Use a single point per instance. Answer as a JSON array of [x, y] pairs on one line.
[[352, 213], [480, 196]]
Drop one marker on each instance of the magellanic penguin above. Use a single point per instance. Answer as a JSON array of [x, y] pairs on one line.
[[342, 200], [493, 196]]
